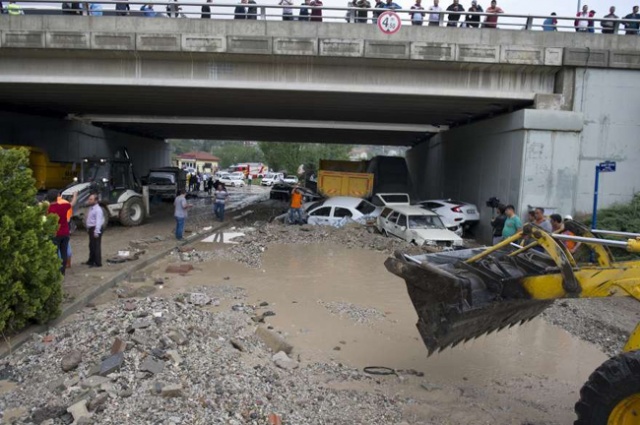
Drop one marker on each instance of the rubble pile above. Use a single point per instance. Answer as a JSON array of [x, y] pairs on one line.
[[362, 315], [160, 361]]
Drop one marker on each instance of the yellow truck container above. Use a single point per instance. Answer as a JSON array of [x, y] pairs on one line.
[[48, 175], [340, 183]]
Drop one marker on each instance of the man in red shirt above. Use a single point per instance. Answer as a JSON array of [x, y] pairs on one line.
[[61, 240], [491, 21]]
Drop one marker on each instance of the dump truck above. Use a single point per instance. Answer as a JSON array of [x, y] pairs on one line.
[[48, 174], [344, 178], [461, 295], [166, 182]]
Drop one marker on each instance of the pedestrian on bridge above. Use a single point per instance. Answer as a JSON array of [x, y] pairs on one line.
[[287, 12], [473, 21], [14, 9], [303, 15], [491, 21], [434, 16], [240, 12], [123, 9], [608, 27], [417, 17], [631, 28], [456, 8], [362, 15], [316, 14], [583, 23], [550, 24]]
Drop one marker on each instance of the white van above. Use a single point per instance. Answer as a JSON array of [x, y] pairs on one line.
[[416, 225], [271, 178]]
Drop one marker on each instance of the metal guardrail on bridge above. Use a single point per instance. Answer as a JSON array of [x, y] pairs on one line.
[[257, 11]]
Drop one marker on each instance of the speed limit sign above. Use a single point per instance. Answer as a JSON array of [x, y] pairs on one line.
[[389, 22]]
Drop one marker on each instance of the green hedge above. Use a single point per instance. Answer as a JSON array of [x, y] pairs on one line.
[[623, 217], [30, 278]]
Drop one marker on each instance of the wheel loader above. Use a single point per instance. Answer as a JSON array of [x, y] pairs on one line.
[[461, 295]]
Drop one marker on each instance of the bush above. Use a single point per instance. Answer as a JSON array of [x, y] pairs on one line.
[[622, 217], [30, 278]]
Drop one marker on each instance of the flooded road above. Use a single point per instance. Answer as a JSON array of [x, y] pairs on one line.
[[342, 304]]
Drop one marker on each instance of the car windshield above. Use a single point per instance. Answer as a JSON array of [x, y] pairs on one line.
[[366, 208], [425, 222], [161, 178], [96, 171]]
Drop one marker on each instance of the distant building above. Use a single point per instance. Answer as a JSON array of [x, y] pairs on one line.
[[202, 162]]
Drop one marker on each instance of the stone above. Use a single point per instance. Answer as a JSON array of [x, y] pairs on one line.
[[199, 298], [174, 390], [274, 341], [179, 268], [237, 345], [336, 348], [93, 382], [283, 361], [174, 356], [118, 346], [71, 360], [264, 304], [275, 419], [79, 410], [126, 393], [430, 387], [151, 365], [57, 385], [98, 403], [111, 364], [129, 306], [258, 319], [141, 323], [178, 337]]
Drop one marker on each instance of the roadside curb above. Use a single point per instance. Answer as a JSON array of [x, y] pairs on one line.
[[13, 343]]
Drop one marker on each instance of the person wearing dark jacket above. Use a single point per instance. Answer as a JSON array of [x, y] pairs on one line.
[[631, 28], [473, 21], [453, 18], [205, 10], [303, 15], [498, 224], [379, 5], [252, 10], [240, 12], [122, 9], [362, 16]]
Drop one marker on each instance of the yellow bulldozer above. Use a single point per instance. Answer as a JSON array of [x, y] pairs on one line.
[[461, 295]]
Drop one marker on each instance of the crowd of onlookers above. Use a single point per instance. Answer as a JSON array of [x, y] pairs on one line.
[[360, 11]]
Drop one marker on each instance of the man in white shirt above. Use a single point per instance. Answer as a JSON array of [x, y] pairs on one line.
[[582, 21], [287, 12], [434, 18], [95, 222], [417, 14]]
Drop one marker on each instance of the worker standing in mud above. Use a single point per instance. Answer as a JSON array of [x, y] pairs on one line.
[[295, 206], [220, 201]]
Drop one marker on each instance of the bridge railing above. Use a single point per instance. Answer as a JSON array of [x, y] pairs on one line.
[[261, 11]]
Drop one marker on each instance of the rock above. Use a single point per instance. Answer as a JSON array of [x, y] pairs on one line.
[[199, 298], [258, 319], [283, 361], [179, 268], [141, 324], [174, 390], [126, 393], [264, 304], [93, 382], [274, 341], [430, 387], [118, 346], [275, 419], [336, 348], [57, 385], [129, 306], [79, 410], [268, 313], [71, 360], [178, 337], [98, 403], [111, 364], [174, 356], [237, 345], [153, 366], [158, 281]]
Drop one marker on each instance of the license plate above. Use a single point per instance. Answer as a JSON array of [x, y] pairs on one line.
[[471, 211]]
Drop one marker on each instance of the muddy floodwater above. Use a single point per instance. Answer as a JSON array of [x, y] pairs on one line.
[[342, 304]]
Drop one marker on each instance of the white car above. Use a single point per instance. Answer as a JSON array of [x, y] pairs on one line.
[[270, 178], [289, 180], [233, 182], [416, 225], [453, 213], [386, 199], [338, 210]]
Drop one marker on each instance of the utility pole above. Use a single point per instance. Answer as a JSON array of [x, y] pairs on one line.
[[579, 5]]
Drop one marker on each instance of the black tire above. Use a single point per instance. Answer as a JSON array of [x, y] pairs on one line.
[[132, 212], [615, 380]]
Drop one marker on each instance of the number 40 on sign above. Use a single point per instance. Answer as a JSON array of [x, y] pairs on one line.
[[389, 22]]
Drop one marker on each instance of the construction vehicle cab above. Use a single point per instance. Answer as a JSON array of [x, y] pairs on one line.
[[461, 295], [115, 183]]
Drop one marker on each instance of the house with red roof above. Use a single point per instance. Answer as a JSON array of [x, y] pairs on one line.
[[202, 162]]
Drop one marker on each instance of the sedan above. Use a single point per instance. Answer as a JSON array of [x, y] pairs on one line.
[[417, 226], [453, 213], [290, 180], [336, 211], [228, 181]]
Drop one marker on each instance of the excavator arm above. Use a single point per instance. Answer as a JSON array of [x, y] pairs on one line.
[[460, 295]]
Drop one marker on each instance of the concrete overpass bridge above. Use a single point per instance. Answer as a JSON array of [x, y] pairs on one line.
[[516, 114]]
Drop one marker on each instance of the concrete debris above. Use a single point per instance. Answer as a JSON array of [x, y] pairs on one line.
[[111, 364], [174, 390], [362, 315], [152, 366], [237, 345], [179, 268], [283, 361], [274, 341], [71, 360], [79, 411], [198, 298]]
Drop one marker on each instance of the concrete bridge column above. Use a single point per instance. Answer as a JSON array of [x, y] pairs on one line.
[[527, 158]]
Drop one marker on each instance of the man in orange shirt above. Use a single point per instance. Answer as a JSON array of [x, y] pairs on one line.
[[558, 227], [295, 207]]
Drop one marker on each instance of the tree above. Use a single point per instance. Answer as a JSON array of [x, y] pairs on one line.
[[234, 153], [30, 278], [281, 156]]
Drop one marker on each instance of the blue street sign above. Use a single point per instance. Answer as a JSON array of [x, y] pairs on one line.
[[607, 167]]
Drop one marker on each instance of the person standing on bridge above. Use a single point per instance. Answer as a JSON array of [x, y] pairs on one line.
[[417, 16], [456, 8], [287, 12], [123, 9], [95, 222], [491, 21], [173, 9], [631, 28], [147, 10], [316, 14], [14, 9], [434, 16], [583, 23], [205, 10], [551, 23], [608, 27], [362, 15], [379, 5], [240, 12], [473, 21], [303, 14], [252, 10], [391, 5]]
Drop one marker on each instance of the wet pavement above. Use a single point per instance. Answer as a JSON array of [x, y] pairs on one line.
[[342, 304]]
